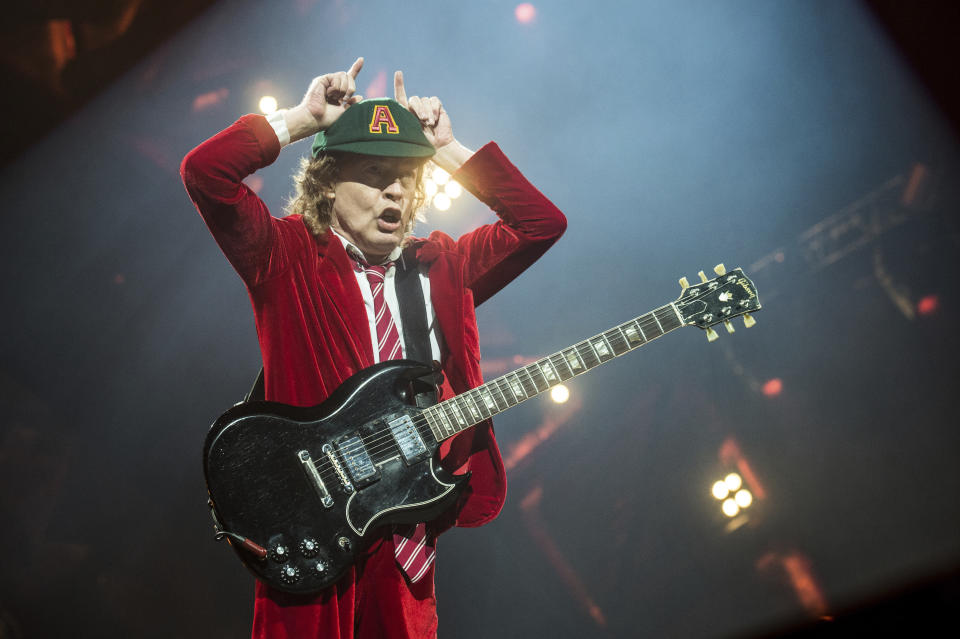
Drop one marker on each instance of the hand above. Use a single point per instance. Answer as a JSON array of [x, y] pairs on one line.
[[433, 118], [326, 99]]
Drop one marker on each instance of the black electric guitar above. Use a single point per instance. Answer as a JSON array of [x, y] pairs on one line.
[[298, 491]]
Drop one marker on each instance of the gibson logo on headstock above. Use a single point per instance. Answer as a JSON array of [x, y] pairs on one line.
[[745, 285]]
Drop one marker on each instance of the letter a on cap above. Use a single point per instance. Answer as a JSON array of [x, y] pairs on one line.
[[383, 118]]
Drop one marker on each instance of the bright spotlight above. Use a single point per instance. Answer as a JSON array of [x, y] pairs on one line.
[[441, 201], [525, 12], [560, 393], [268, 104], [743, 498], [453, 189], [430, 188], [730, 508], [733, 481], [440, 176], [720, 490]]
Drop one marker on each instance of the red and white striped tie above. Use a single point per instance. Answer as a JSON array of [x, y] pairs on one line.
[[414, 549]]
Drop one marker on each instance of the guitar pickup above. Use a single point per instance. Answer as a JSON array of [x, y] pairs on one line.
[[408, 440], [355, 457]]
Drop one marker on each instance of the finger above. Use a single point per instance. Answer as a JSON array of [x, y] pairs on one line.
[[435, 108], [399, 93], [354, 99], [415, 107], [355, 68]]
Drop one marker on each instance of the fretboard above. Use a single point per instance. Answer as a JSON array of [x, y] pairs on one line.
[[454, 415]]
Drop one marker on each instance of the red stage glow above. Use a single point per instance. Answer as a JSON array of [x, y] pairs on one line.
[[772, 387], [928, 305], [525, 13], [209, 99]]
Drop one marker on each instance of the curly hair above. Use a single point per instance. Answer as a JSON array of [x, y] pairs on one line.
[[315, 181]]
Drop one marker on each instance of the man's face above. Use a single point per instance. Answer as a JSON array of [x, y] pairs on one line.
[[373, 202]]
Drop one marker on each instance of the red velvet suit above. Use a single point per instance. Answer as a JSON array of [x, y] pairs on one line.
[[313, 330]]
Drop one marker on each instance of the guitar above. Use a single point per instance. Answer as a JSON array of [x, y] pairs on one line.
[[298, 491]]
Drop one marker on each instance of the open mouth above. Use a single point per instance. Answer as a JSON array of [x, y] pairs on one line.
[[389, 220]]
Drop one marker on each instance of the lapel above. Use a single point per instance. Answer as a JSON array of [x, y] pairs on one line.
[[447, 296], [337, 277]]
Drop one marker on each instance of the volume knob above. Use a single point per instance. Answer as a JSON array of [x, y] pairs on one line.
[[309, 547], [289, 574]]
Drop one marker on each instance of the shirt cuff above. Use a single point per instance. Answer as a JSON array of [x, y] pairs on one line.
[[279, 125]]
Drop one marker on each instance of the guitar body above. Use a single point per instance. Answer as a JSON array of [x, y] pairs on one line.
[[300, 492], [311, 485]]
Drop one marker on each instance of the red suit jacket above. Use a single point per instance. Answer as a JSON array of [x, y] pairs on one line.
[[313, 335]]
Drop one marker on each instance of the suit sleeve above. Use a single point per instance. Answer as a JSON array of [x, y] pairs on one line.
[[529, 223], [243, 227]]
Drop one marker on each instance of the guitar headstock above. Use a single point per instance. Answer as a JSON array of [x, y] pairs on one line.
[[730, 294]]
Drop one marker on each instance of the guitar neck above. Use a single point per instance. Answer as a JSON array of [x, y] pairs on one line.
[[459, 413]]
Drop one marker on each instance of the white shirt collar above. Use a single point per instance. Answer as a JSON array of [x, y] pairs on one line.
[[352, 249]]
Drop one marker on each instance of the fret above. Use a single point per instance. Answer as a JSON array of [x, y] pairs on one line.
[[546, 368], [459, 415], [634, 334], [515, 387], [475, 412], [651, 329], [592, 359], [432, 422], [618, 341], [535, 368], [497, 385], [528, 385], [573, 360], [451, 415], [657, 320], [489, 400], [601, 347], [563, 360], [666, 318], [677, 312], [503, 386], [444, 421]]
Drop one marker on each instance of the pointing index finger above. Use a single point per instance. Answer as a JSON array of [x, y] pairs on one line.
[[399, 93], [355, 68]]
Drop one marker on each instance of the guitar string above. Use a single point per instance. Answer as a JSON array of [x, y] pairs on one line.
[[584, 349], [588, 356]]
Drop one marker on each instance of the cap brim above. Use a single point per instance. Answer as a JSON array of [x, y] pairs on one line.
[[385, 148]]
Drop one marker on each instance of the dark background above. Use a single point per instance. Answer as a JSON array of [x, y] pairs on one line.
[[814, 144]]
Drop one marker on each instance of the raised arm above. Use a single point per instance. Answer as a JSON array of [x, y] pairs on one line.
[[213, 172]]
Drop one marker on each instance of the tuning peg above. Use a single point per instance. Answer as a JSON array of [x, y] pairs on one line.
[[729, 326], [711, 334], [748, 320], [720, 269], [703, 277], [684, 284]]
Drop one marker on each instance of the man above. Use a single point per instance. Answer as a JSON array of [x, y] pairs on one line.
[[320, 318]]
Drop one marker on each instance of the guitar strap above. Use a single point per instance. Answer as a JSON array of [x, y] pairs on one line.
[[413, 317]]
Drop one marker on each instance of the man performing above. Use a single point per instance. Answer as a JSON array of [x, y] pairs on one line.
[[322, 284]]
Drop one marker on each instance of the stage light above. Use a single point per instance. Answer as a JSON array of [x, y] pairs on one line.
[[268, 104], [772, 387], [730, 508], [743, 498], [525, 13], [430, 188], [453, 189], [928, 305], [720, 490], [441, 201], [440, 176], [560, 393], [733, 481]]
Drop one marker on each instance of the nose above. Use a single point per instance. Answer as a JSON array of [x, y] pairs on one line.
[[394, 191]]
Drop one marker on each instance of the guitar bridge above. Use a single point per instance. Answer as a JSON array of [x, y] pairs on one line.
[[315, 479]]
